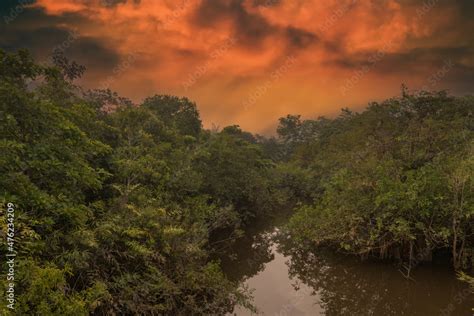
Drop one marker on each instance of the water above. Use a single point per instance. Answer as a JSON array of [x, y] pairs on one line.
[[275, 293], [292, 281]]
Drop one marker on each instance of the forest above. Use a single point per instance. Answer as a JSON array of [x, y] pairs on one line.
[[120, 208]]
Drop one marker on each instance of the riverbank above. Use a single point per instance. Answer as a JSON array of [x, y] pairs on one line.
[[287, 280]]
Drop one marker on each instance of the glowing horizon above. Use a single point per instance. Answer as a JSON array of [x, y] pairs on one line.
[[249, 62]]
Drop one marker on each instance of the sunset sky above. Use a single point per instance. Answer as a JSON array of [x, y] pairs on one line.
[[249, 62]]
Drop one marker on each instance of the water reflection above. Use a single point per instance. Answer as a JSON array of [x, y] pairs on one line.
[[277, 294], [348, 286], [246, 257], [290, 280]]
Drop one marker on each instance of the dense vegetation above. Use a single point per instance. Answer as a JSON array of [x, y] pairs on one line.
[[394, 181], [116, 202], [120, 207]]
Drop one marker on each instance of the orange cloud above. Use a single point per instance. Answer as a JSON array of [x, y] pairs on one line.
[[374, 45]]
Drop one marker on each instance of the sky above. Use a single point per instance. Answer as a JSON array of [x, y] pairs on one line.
[[250, 62]]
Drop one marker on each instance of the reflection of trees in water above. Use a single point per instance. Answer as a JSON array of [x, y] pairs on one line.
[[249, 257], [347, 286], [246, 256]]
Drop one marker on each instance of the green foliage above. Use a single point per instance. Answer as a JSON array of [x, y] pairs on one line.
[[179, 113], [235, 173], [118, 206], [115, 203], [393, 181]]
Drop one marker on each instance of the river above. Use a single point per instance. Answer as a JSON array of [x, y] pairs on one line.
[[290, 281]]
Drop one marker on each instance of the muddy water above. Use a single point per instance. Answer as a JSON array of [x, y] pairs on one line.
[[291, 281]]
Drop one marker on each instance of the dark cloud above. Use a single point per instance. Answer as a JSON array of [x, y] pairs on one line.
[[40, 40], [114, 3], [93, 54], [266, 3], [466, 5], [300, 38], [41, 33], [34, 17], [8, 7], [188, 53], [429, 61], [440, 66], [413, 59], [466, 8], [251, 29]]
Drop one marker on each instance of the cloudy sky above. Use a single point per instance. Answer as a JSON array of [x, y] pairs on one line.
[[249, 62]]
